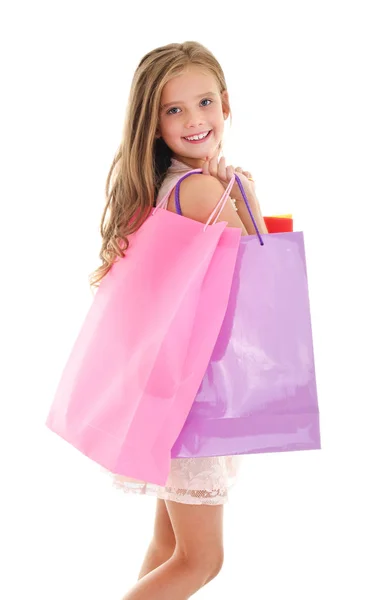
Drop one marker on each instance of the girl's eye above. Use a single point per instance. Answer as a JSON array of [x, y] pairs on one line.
[[169, 112]]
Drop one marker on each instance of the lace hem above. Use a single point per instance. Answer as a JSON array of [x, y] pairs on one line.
[[183, 496], [191, 481]]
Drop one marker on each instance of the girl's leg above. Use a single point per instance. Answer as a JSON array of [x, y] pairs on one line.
[[163, 543], [197, 559]]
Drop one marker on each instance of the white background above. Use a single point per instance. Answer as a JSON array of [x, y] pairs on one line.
[[304, 82]]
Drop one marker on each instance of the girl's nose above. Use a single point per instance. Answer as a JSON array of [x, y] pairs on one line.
[[194, 120]]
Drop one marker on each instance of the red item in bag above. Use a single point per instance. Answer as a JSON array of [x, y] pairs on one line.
[[279, 223]]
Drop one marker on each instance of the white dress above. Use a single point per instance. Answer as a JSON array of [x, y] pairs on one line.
[[191, 480]]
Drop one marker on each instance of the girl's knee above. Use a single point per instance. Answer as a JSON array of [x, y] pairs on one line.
[[215, 565], [163, 549], [207, 562]]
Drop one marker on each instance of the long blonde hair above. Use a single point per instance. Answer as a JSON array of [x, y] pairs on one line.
[[142, 160]]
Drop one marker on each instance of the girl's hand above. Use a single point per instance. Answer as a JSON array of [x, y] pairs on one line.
[[224, 173], [217, 168]]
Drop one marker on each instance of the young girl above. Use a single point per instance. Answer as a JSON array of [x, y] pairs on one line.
[[175, 123]]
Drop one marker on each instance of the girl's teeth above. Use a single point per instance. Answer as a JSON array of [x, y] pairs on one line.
[[197, 137]]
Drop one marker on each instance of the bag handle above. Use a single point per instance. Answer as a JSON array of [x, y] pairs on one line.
[[220, 205], [164, 201]]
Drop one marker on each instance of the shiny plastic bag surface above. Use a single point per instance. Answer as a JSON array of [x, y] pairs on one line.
[[259, 390]]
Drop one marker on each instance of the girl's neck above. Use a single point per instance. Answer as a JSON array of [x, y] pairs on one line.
[[193, 163]]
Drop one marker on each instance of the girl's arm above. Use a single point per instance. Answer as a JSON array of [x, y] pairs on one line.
[[199, 195], [217, 168]]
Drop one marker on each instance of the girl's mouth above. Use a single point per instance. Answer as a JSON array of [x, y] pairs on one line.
[[199, 138]]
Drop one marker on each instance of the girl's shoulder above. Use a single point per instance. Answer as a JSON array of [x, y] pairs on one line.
[[199, 196]]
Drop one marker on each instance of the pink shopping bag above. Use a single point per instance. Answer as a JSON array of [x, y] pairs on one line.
[[259, 390], [145, 344]]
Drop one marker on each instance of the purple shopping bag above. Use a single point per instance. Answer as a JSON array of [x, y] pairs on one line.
[[259, 391]]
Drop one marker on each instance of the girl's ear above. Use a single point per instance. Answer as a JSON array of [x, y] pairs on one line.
[[225, 104]]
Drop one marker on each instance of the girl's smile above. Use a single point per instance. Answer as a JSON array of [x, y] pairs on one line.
[[198, 138]]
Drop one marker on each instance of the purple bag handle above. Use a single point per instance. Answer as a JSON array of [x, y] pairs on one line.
[[178, 207]]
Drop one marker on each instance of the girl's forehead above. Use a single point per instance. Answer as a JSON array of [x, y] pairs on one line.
[[188, 84]]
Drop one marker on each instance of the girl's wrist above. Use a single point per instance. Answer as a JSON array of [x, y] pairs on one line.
[[255, 209], [252, 199]]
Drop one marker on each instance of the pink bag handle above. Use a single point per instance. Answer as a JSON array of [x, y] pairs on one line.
[[220, 205]]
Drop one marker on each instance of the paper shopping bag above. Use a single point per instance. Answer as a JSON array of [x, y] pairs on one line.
[[129, 385]]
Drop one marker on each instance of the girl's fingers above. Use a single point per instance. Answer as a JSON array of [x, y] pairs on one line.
[[246, 173], [217, 168], [229, 172], [205, 167]]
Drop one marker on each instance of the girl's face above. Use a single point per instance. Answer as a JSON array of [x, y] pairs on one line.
[[191, 105]]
